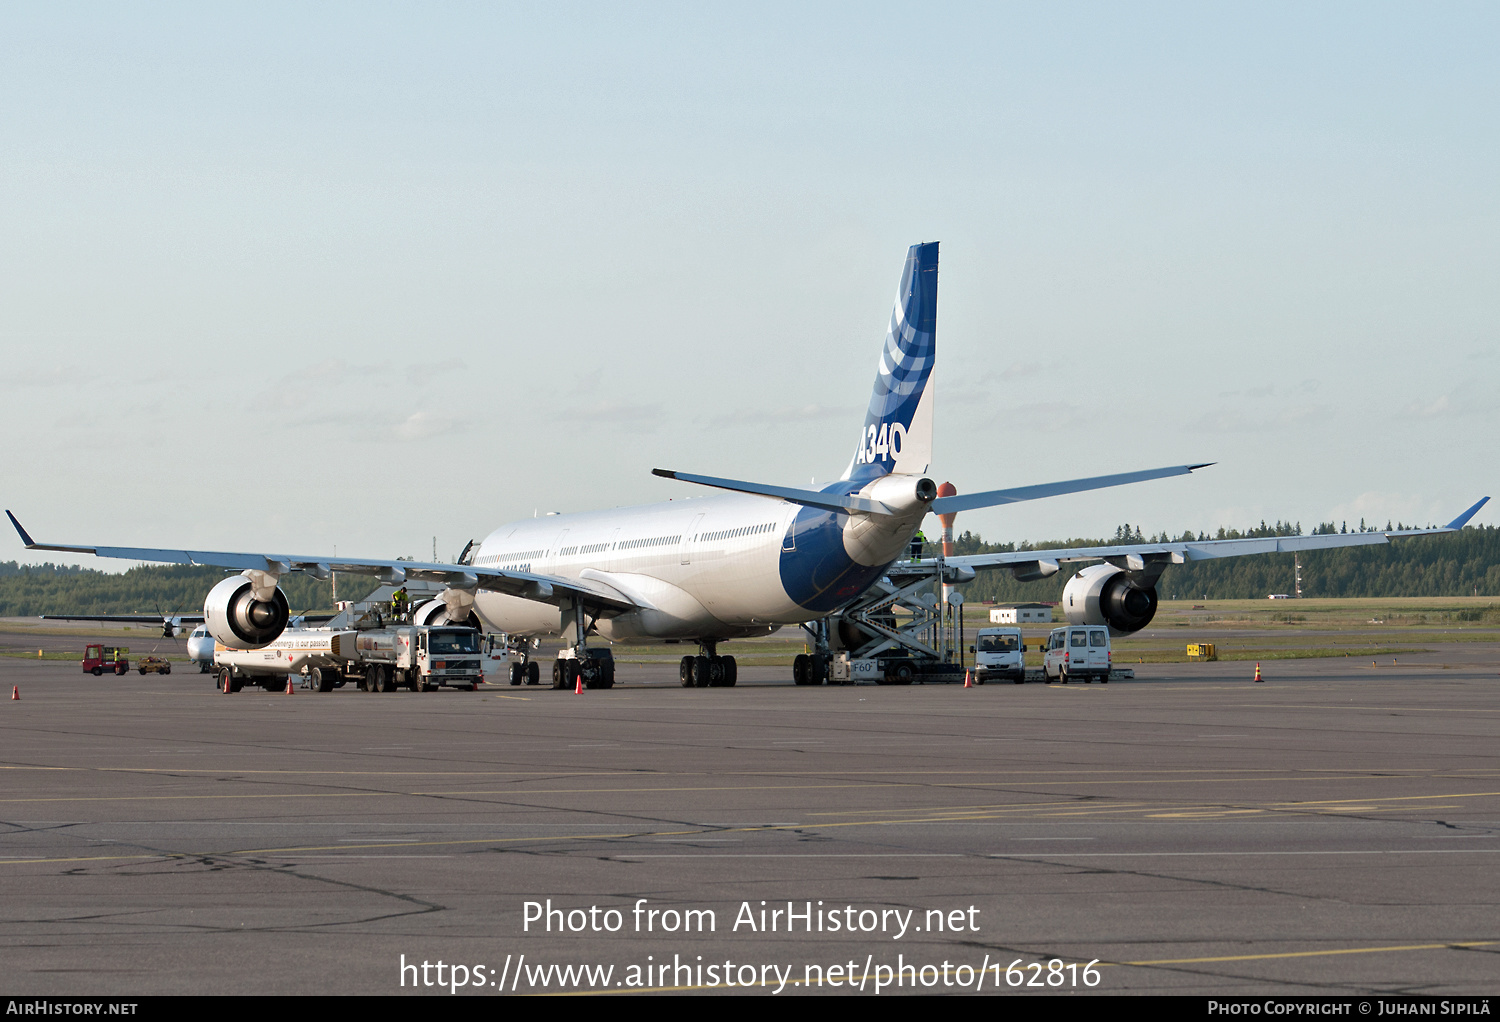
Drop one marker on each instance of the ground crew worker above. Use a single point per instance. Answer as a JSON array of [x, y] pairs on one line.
[[399, 602], [917, 542]]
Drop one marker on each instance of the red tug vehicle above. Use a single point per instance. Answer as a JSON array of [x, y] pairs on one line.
[[98, 659]]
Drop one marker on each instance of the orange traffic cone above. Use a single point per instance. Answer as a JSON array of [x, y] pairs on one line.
[[578, 690], [15, 691], [968, 679], [288, 684], [1257, 672]]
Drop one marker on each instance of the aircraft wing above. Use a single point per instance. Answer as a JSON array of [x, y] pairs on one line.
[[527, 585], [130, 619], [1034, 564]]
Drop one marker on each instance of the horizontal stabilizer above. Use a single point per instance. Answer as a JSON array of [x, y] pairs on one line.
[[808, 498], [990, 498]]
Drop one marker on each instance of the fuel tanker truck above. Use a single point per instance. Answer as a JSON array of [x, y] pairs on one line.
[[381, 658]]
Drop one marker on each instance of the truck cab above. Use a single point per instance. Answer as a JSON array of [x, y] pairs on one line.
[[999, 653], [1078, 651], [99, 659]]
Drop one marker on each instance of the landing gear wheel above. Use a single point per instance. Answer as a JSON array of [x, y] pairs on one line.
[[557, 674], [731, 672], [801, 669], [533, 673], [700, 672], [715, 672], [685, 672], [517, 673]]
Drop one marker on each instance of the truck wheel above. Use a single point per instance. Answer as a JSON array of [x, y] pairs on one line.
[[533, 673], [414, 681], [121, 671], [167, 669], [97, 671], [1020, 678], [143, 672], [903, 674], [372, 679], [1063, 676]]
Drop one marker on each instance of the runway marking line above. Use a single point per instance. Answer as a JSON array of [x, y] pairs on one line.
[[1453, 946]]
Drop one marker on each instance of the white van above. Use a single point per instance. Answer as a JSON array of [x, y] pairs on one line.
[[1078, 651], [999, 653]]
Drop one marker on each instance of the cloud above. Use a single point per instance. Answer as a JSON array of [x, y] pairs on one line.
[[1378, 508], [425, 426], [1429, 409], [782, 415], [52, 376], [614, 411]]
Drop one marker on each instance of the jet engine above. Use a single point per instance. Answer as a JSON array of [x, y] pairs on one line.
[[244, 612], [437, 612], [1102, 594]]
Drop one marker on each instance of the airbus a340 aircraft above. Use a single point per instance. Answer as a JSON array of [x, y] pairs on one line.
[[716, 568]]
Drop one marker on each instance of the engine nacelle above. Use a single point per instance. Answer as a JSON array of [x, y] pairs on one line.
[[1102, 594], [437, 612], [238, 619]]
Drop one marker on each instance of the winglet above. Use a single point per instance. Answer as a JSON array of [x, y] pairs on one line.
[[1457, 523], [31, 544]]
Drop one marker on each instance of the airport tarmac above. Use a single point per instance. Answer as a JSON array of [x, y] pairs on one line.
[[1335, 829]]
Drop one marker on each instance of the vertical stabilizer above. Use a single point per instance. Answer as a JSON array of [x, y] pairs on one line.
[[897, 433]]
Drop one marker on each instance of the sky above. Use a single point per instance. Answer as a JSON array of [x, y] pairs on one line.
[[295, 278]]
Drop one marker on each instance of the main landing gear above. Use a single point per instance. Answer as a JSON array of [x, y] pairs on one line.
[[707, 669]]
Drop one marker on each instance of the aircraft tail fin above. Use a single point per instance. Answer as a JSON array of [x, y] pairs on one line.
[[897, 431]]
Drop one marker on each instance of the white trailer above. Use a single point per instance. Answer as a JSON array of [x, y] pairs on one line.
[[376, 659]]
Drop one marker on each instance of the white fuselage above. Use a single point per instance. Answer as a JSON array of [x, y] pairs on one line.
[[701, 567]]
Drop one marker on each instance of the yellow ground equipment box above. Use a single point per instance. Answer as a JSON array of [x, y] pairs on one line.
[[1202, 651]]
